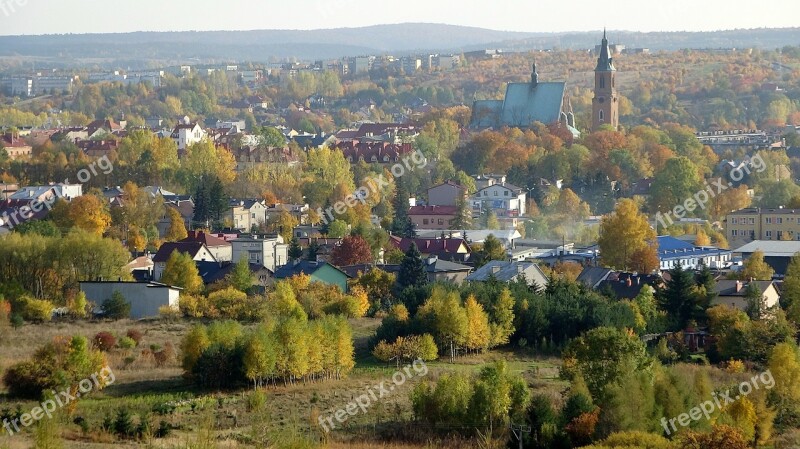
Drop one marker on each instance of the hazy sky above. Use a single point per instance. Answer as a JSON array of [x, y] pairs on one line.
[[84, 16]]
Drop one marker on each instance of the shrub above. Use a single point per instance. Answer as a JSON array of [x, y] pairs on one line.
[[126, 343], [116, 307], [17, 321], [36, 310], [135, 335], [104, 341], [123, 425], [256, 401]]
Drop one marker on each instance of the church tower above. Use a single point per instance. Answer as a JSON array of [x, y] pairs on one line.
[[605, 104]]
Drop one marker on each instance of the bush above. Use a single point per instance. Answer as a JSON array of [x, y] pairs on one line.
[[135, 335], [256, 401], [116, 307], [123, 424], [36, 310], [104, 341], [126, 343]]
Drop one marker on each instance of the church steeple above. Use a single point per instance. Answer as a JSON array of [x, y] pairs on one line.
[[534, 75], [605, 63], [605, 104]]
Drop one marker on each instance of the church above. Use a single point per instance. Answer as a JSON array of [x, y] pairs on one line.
[[545, 102]]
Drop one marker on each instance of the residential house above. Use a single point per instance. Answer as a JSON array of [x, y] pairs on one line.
[[100, 128], [268, 251], [622, 285], [734, 293], [450, 249], [141, 268], [221, 249], [213, 272], [298, 211], [317, 271], [433, 217], [505, 271], [16, 148], [146, 298], [197, 251], [245, 214], [187, 133], [447, 194], [438, 270], [504, 199]]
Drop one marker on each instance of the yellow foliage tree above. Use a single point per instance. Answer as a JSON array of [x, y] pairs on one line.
[[478, 332], [89, 213], [624, 235]]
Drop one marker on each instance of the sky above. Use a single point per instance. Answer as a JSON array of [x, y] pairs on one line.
[[28, 17]]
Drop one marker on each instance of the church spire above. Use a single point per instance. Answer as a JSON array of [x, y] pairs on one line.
[[534, 75], [605, 63]]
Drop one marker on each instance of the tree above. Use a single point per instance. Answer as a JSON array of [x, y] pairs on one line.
[[177, 228], [702, 238], [89, 213], [678, 299], [478, 334], [241, 278], [755, 268], [192, 346], [337, 229], [181, 271], [412, 269], [784, 366], [790, 294], [295, 251], [756, 303], [313, 250], [678, 181], [444, 313], [116, 307], [77, 305], [623, 234], [210, 201], [492, 249], [603, 356], [352, 250], [402, 225]]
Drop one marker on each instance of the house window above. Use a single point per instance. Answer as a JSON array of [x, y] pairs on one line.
[[424, 221], [441, 221], [600, 115], [495, 193], [752, 221], [733, 233], [780, 235], [779, 220], [733, 220], [505, 193], [768, 235], [769, 220], [602, 82]]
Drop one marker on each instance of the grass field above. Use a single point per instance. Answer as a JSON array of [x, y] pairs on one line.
[[230, 419]]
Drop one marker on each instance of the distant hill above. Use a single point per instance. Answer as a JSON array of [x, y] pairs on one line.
[[263, 45]]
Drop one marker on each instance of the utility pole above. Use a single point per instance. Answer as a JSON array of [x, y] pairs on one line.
[[518, 430]]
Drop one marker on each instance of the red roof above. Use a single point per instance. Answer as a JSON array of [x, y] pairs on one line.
[[355, 150], [207, 239], [185, 247], [9, 141], [433, 210]]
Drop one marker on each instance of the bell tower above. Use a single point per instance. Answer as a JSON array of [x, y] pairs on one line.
[[605, 104]]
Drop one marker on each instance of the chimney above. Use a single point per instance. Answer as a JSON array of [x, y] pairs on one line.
[[495, 269], [739, 285]]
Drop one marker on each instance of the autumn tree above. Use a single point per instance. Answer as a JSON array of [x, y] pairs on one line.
[[177, 227], [626, 237], [88, 212], [352, 250], [181, 271], [756, 268], [478, 333]]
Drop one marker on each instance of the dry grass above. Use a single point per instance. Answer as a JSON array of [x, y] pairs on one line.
[[141, 387]]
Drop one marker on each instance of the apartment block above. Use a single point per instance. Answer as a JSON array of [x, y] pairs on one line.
[[745, 225]]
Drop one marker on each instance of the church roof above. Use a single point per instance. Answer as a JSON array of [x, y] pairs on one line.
[[525, 103], [605, 63]]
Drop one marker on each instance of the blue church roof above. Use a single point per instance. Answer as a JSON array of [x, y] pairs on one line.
[[524, 104]]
